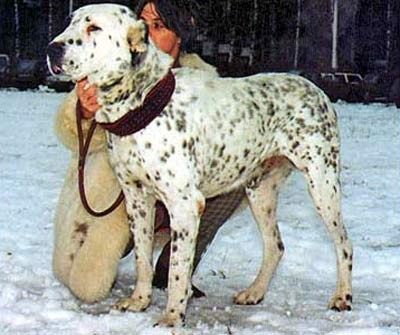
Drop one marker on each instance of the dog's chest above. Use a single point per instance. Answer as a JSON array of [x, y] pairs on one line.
[[126, 157], [153, 156]]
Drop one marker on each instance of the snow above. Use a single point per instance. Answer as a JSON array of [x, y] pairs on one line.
[[32, 301]]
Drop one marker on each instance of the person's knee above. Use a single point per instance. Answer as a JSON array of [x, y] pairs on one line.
[[91, 284], [95, 266]]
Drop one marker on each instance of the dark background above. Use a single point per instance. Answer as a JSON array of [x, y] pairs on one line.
[[244, 36], [368, 39]]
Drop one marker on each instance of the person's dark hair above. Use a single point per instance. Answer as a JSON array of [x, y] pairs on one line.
[[181, 16]]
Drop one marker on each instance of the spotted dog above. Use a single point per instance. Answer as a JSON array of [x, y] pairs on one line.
[[214, 135]]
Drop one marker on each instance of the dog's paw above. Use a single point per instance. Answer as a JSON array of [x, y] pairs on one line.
[[248, 297], [341, 303], [133, 304], [171, 320]]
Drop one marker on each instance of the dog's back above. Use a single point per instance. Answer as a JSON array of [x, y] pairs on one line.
[[236, 123]]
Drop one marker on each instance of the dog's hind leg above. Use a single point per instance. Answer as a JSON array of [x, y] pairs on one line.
[[322, 174], [324, 187], [263, 202], [141, 211]]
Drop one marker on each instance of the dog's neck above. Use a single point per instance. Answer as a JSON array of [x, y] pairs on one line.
[[128, 90]]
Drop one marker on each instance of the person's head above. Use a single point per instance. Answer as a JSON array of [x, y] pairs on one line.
[[170, 22]]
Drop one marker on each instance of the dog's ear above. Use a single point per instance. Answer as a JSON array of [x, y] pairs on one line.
[[138, 37]]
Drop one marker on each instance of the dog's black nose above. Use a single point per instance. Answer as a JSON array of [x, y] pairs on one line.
[[55, 53]]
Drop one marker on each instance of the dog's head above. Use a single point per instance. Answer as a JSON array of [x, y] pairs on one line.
[[102, 42]]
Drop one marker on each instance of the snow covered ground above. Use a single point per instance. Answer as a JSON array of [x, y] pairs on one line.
[[32, 165]]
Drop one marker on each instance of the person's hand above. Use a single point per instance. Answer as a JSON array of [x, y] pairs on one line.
[[87, 96]]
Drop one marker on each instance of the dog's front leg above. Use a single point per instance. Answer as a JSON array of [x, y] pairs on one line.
[[141, 210], [185, 218]]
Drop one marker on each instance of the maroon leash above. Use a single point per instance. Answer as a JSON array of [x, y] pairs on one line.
[[83, 150], [135, 120]]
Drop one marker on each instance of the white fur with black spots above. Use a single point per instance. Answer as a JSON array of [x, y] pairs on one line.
[[215, 135]]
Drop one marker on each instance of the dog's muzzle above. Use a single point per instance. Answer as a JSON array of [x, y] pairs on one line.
[[55, 54]]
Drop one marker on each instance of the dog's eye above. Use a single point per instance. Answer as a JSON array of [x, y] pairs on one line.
[[92, 28]]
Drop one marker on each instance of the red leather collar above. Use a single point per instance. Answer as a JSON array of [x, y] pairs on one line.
[[153, 104]]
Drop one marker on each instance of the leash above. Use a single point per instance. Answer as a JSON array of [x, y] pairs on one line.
[[83, 150], [133, 121]]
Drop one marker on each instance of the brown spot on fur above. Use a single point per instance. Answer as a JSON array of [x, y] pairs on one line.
[[201, 207], [274, 162]]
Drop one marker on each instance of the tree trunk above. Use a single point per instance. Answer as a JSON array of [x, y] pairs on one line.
[[273, 32], [388, 31], [297, 41], [254, 32], [50, 21], [335, 24], [71, 7], [17, 30], [232, 31]]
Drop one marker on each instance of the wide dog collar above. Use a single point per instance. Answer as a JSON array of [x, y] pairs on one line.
[[153, 104]]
